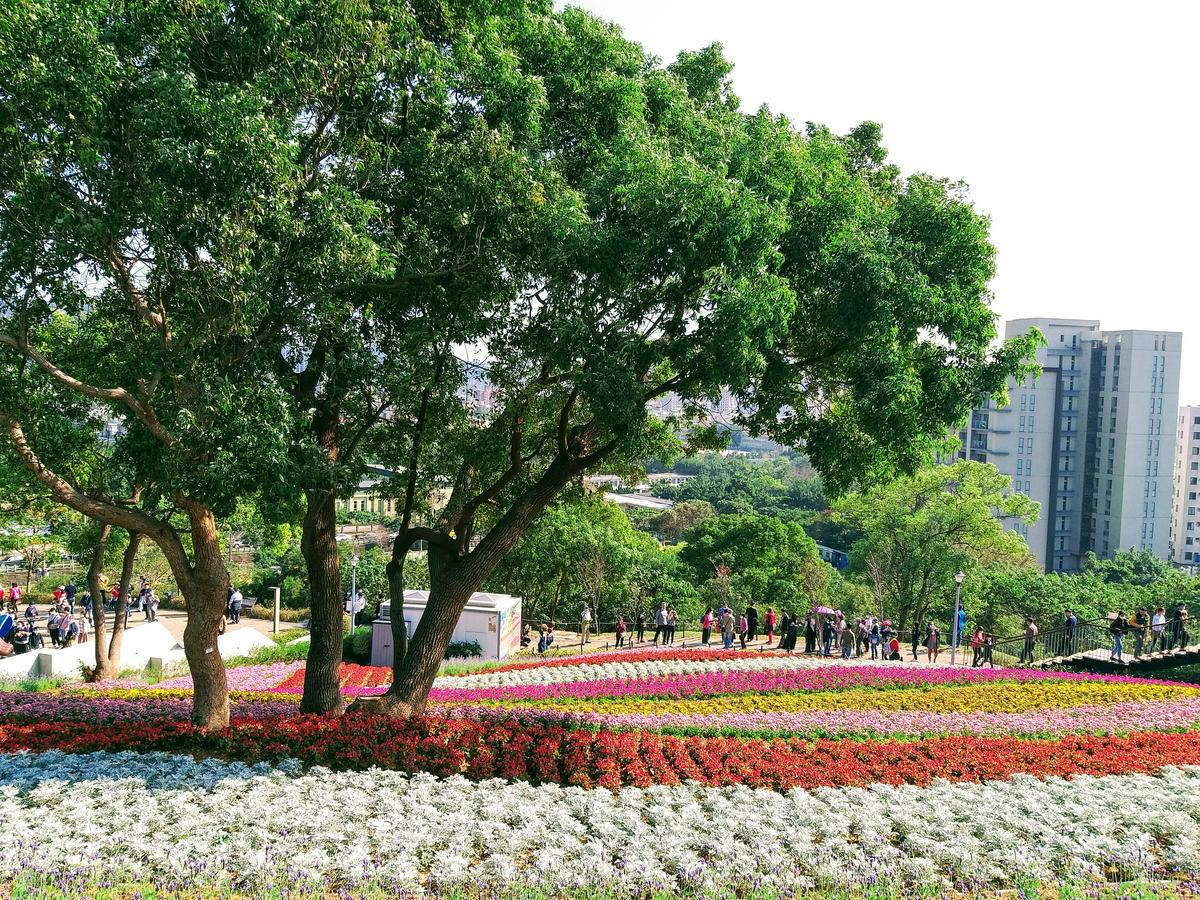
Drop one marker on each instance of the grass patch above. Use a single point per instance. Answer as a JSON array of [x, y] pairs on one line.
[[35, 685]]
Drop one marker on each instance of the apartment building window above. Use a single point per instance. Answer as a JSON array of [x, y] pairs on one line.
[[1033, 401], [1112, 425], [1020, 445], [1024, 401], [1021, 426], [1029, 447], [1020, 468]]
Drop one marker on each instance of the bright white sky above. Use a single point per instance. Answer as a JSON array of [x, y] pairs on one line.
[[1074, 123]]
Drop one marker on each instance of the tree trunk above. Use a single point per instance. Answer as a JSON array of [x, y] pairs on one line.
[[205, 589], [322, 685], [412, 675], [395, 574], [104, 669], [122, 605]]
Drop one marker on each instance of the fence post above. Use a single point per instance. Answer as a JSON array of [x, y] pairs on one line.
[[275, 619]]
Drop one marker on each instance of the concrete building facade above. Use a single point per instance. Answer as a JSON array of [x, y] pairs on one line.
[[1185, 512], [1090, 439]]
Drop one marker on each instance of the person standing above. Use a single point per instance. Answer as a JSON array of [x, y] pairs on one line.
[[71, 591], [977, 647], [660, 625], [916, 637], [1031, 632], [1117, 629], [53, 625], [962, 626], [620, 630], [585, 623], [235, 607], [828, 637], [641, 626], [727, 626], [848, 639], [743, 629], [770, 620], [932, 644], [1158, 629], [672, 621], [810, 635], [1070, 627], [751, 622], [706, 624], [875, 637]]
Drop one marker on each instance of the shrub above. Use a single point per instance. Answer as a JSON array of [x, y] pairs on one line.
[[356, 647], [463, 650]]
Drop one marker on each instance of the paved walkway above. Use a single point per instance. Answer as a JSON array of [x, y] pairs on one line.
[[175, 620], [568, 642]]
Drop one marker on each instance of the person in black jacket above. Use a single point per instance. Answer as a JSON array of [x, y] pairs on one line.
[[751, 622], [1117, 629]]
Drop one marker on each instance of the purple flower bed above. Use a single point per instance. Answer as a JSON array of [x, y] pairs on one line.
[[707, 684], [28, 707]]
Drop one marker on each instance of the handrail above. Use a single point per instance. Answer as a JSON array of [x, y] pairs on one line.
[[1090, 639]]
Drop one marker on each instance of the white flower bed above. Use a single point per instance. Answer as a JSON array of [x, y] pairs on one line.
[[157, 816], [599, 671]]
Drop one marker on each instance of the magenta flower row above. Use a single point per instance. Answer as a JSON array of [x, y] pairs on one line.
[[705, 684]]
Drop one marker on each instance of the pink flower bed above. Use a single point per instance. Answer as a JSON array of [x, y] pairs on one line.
[[241, 678], [1111, 718]]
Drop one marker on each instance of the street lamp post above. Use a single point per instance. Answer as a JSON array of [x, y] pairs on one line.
[[353, 590], [958, 580]]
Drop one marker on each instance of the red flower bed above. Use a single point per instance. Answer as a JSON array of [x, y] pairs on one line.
[[351, 675], [548, 753]]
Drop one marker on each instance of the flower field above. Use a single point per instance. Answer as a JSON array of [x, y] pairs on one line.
[[623, 772]]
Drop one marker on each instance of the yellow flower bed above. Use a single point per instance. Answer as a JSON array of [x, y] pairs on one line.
[[992, 698]]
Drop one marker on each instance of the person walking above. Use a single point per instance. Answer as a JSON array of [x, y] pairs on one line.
[[751, 622], [932, 644], [585, 623], [1179, 624], [672, 620], [1139, 624], [1070, 627], [810, 635], [770, 620], [641, 626], [1117, 629], [53, 623], [743, 629], [235, 607], [706, 624], [1158, 628], [916, 637], [828, 636], [71, 590], [989, 641], [660, 625], [962, 626], [1031, 632]]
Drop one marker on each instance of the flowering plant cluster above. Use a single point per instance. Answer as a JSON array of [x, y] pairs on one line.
[[550, 753], [213, 824]]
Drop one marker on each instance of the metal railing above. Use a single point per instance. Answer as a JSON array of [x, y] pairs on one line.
[[1088, 640]]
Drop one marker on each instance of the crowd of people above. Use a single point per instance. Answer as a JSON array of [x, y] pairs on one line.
[[68, 616]]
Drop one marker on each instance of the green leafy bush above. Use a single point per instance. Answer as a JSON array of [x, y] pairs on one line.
[[356, 647], [463, 650]]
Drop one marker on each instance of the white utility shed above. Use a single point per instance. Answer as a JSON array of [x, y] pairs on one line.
[[493, 620]]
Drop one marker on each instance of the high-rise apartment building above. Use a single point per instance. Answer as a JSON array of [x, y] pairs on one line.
[[1185, 513], [1091, 439]]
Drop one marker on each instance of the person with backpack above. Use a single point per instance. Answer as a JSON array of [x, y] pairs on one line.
[[1117, 628]]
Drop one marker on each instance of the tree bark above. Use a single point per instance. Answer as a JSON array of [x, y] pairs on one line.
[[122, 604], [454, 576], [395, 576], [322, 685], [206, 590], [104, 670]]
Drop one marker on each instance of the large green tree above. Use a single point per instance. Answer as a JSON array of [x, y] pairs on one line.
[[167, 212], [686, 248], [919, 530]]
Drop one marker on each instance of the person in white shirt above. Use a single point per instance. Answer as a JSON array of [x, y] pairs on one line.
[[1158, 625], [235, 606]]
